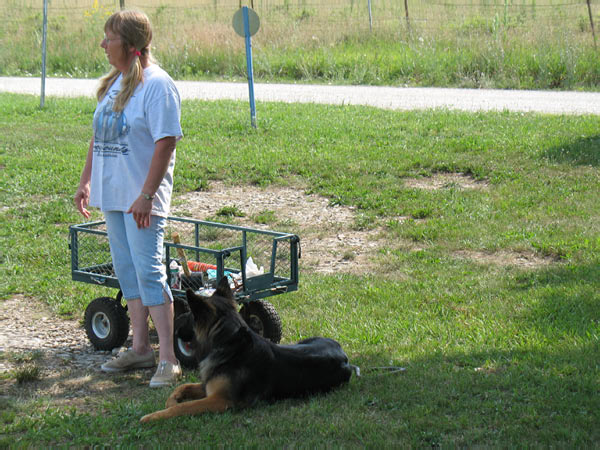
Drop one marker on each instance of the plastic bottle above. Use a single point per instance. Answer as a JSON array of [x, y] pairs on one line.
[[174, 271]]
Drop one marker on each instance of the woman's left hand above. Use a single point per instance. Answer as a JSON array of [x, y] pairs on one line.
[[142, 206], [141, 210]]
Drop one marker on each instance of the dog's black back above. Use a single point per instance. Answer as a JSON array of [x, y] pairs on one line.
[[257, 368], [312, 365]]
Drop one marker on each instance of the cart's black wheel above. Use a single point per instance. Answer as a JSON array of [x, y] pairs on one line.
[[185, 353], [261, 316], [183, 339], [106, 323]]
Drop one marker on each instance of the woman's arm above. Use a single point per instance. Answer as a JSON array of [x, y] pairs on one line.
[[142, 207], [82, 196]]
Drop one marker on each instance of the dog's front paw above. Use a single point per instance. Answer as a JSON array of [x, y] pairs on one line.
[[176, 397], [158, 415], [148, 418], [173, 400], [185, 392]]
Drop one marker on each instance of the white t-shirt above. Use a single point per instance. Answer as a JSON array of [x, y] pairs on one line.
[[124, 142]]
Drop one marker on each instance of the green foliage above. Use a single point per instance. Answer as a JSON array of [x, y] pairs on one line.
[[267, 217], [482, 45], [230, 211], [27, 373], [24, 357]]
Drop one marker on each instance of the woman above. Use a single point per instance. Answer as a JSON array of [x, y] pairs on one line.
[[128, 174]]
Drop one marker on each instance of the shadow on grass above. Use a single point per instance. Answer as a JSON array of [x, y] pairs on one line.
[[581, 152], [504, 397], [539, 388], [501, 397], [568, 300], [76, 387]]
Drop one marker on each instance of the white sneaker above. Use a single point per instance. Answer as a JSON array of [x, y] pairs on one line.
[[166, 374], [129, 360]]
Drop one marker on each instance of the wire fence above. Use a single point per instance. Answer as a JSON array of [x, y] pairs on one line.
[[332, 16], [196, 37]]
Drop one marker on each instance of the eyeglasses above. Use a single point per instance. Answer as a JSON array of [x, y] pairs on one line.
[[108, 41]]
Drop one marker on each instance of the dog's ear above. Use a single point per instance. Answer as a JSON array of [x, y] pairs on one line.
[[223, 289], [191, 296], [199, 305], [180, 306]]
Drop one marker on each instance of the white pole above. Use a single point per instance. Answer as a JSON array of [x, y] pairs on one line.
[[370, 18], [44, 34]]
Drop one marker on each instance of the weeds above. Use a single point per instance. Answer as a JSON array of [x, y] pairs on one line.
[[24, 357], [28, 369], [528, 46], [230, 211], [27, 373], [265, 218]]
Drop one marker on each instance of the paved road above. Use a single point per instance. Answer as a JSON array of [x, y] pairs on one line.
[[551, 102]]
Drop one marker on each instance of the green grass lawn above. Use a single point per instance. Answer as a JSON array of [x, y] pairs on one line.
[[495, 354]]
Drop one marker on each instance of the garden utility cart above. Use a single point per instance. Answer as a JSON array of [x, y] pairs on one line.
[[258, 263]]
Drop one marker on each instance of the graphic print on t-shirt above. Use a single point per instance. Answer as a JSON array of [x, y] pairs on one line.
[[110, 130]]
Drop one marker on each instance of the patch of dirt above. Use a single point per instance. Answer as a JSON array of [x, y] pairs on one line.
[[446, 181], [507, 258], [68, 367], [329, 242]]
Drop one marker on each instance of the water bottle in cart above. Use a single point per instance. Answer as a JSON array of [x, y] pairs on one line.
[[174, 273]]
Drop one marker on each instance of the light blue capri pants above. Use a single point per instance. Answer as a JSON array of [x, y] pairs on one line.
[[137, 257]]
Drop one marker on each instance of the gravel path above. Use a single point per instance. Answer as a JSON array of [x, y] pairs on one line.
[[399, 98], [29, 326]]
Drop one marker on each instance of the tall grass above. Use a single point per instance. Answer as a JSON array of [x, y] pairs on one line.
[[529, 45]]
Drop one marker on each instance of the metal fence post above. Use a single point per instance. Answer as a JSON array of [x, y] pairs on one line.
[[589, 5], [370, 17]]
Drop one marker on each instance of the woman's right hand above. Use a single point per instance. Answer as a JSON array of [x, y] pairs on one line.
[[82, 199]]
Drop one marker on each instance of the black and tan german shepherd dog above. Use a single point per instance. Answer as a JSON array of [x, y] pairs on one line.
[[238, 367]]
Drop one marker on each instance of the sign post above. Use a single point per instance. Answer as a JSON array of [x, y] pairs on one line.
[[44, 35], [246, 23]]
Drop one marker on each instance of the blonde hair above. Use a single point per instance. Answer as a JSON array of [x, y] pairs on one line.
[[134, 30]]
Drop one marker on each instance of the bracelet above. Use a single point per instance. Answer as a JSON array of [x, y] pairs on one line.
[[147, 196]]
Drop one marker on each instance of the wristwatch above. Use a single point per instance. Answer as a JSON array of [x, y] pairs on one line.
[[147, 196]]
